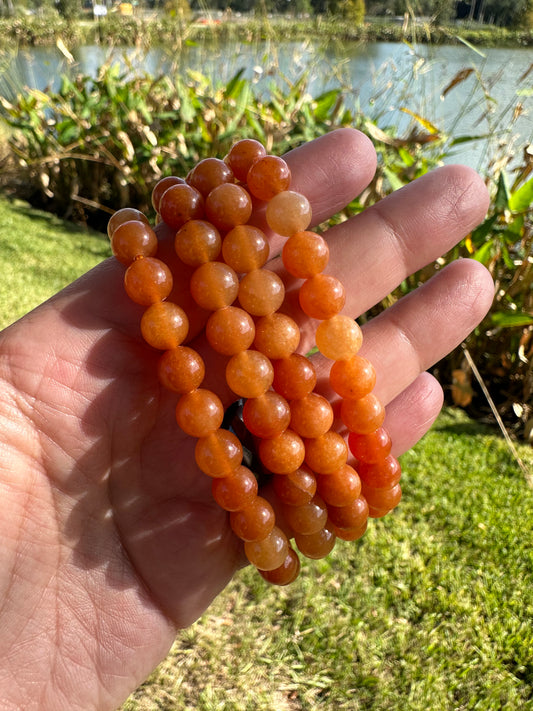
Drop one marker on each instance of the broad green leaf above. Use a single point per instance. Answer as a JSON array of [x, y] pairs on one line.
[[502, 194], [508, 319], [324, 103], [522, 198], [480, 233], [393, 179], [484, 253]]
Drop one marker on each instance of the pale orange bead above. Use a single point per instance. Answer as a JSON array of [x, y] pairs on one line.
[[197, 242], [164, 325], [352, 378], [249, 374], [218, 454], [327, 453], [245, 248], [261, 292], [305, 254], [277, 335], [268, 553], [339, 337], [282, 454], [363, 415], [199, 412], [311, 416], [214, 285], [147, 281], [288, 212], [230, 330]]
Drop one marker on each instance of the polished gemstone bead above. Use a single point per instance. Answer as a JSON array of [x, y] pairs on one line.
[[327, 453], [249, 374], [242, 155], [341, 487], [227, 206], [125, 214], [307, 518], [371, 447], [199, 412], [230, 330], [267, 177], [161, 186], [350, 534], [181, 369], [383, 474], [267, 415], [164, 325], [287, 572], [270, 552], [219, 453], [339, 337], [181, 203], [214, 285], [316, 545], [133, 239], [311, 416], [282, 454], [235, 491], [261, 292], [354, 515], [197, 242], [254, 521], [363, 415], [294, 376], [147, 281], [245, 248], [277, 336], [295, 488], [353, 378], [288, 212], [305, 254], [322, 296], [208, 174], [381, 501]]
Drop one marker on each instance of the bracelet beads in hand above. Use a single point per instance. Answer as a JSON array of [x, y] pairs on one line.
[[318, 495]]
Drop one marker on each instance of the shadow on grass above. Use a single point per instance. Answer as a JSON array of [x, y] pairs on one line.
[[52, 221]]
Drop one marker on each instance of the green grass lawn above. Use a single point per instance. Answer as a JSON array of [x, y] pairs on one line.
[[431, 611]]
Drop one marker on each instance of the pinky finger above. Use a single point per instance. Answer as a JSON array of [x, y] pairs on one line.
[[412, 413]]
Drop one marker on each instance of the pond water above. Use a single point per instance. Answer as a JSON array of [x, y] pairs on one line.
[[494, 102]]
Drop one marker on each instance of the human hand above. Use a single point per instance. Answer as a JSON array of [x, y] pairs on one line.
[[110, 538]]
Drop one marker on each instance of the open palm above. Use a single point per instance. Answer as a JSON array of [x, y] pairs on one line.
[[110, 540]]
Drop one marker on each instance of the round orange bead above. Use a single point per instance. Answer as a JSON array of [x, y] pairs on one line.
[[267, 177], [249, 374], [339, 337], [197, 242], [230, 330], [350, 534], [214, 285], [181, 369], [133, 239], [235, 491], [305, 254], [308, 518], [218, 454], [199, 412], [181, 203], [270, 552], [341, 487], [277, 336], [288, 212], [125, 214], [327, 453], [383, 474], [227, 206], [371, 447], [208, 174], [282, 454], [161, 186], [354, 515], [147, 281], [353, 378], [267, 415], [295, 488], [287, 572], [164, 325], [294, 376], [242, 155], [363, 415], [322, 296], [254, 521], [261, 292], [381, 501], [245, 248], [311, 416], [316, 545]]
